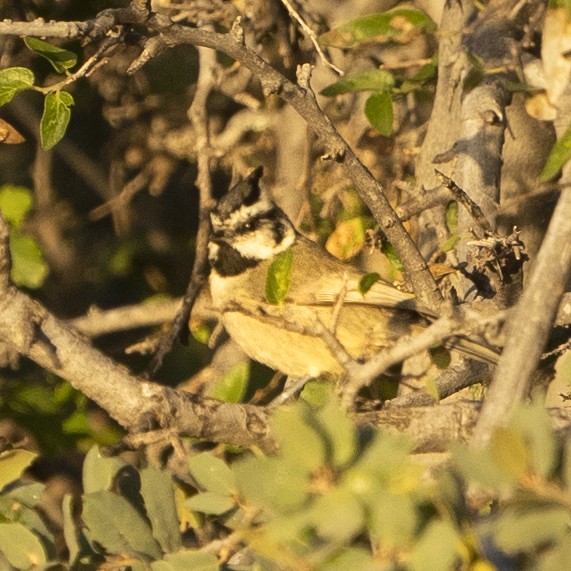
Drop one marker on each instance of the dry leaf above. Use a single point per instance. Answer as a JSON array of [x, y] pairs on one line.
[[9, 134]]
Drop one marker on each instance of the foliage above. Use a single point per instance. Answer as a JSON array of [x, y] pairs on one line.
[[558, 157], [57, 102], [333, 497], [279, 277], [399, 25], [56, 416], [29, 268]]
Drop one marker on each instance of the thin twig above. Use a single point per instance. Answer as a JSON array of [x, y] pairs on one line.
[[199, 118], [311, 35], [464, 199], [97, 60], [362, 374]]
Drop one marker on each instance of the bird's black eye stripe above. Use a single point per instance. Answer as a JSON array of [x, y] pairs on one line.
[[255, 222], [250, 226]]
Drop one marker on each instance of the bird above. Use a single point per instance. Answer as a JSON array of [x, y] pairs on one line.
[[249, 235]]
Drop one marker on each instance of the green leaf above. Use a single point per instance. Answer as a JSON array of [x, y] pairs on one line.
[[450, 244], [29, 269], [28, 494], [74, 540], [386, 455], [400, 25], [212, 474], [13, 463], [371, 80], [337, 516], [259, 478], [115, 524], [201, 332], [452, 217], [77, 423], [20, 546], [478, 466], [186, 560], [18, 505], [394, 519], [379, 112], [279, 277], [509, 452], [233, 385], [316, 393], [60, 59], [158, 494], [526, 528], [13, 80], [427, 73], [389, 251], [348, 238], [300, 444], [15, 203], [340, 432], [211, 503], [368, 281], [437, 549], [534, 424], [286, 531], [55, 118], [98, 471], [350, 559], [559, 155], [432, 387]]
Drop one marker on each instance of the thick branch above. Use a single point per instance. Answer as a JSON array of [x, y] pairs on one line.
[[529, 328]]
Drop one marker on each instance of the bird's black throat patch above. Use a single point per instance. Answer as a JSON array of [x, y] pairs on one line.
[[229, 262]]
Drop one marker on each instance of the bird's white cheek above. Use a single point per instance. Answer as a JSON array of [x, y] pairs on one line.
[[255, 249]]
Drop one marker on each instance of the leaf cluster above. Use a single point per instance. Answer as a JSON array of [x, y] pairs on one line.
[[57, 103], [333, 497], [399, 25]]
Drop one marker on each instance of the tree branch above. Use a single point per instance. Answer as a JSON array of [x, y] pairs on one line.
[[530, 325]]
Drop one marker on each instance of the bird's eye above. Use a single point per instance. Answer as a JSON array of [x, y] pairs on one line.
[[247, 226]]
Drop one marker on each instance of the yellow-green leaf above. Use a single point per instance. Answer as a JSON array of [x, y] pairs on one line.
[[21, 547], [13, 80], [379, 112], [368, 281], [13, 463], [509, 451], [29, 268], [399, 25], [279, 277], [212, 473], [348, 238], [15, 203], [55, 118], [370, 80], [559, 155], [232, 386]]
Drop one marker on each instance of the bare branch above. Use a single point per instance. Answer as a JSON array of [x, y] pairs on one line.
[[199, 119], [311, 35], [529, 327]]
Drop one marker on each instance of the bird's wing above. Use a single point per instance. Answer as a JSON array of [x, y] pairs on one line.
[[381, 294], [321, 279]]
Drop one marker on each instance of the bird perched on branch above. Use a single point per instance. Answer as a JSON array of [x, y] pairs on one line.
[[283, 298]]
